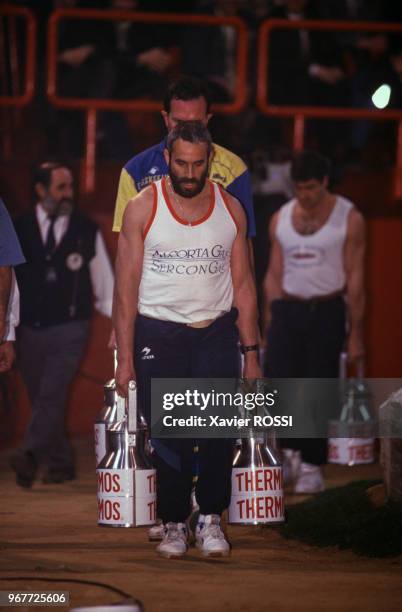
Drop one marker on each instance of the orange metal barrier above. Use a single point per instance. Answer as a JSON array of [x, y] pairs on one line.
[[92, 105], [30, 55], [301, 112]]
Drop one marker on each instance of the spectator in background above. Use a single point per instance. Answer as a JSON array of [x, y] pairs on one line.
[[209, 52], [85, 53], [315, 278], [306, 66], [306, 69], [145, 54], [66, 265], [369, 63], [10, 256], [85, 70]]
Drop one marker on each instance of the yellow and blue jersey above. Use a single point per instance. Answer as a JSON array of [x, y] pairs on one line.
[[227, 169]]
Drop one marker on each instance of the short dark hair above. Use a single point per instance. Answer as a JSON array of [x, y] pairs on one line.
[[190, 131], [187, 88], [308, 165], [43, 173]]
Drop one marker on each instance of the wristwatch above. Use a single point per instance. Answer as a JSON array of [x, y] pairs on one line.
[[248, 348]]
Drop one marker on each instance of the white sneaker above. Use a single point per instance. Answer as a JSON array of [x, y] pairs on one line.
[[291, 461], [210, 538], [156, 533], [174, 544], [309, 480]]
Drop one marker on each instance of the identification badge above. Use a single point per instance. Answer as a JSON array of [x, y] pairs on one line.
[[74, 262]]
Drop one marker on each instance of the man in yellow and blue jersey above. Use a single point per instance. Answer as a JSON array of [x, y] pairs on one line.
[[187, 99]]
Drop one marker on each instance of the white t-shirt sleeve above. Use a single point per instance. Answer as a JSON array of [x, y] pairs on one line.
[[102, 277]]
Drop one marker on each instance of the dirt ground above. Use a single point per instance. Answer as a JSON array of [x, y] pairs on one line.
[[50, 532]]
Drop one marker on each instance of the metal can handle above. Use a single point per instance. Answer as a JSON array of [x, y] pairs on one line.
[[343, 365], [132, 407]]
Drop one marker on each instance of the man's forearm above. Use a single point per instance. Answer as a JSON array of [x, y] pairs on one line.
[[356, 308], [123, 318], [246, 302]]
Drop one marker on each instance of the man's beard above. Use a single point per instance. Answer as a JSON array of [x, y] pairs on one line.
[[63, 207], [177, 184]]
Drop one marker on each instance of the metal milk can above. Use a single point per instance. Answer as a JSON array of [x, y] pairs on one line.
[[126, 479]]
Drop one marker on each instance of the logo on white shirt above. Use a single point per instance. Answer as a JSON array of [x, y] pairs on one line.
[[305, 256]]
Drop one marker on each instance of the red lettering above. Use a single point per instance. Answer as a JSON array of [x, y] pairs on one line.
[[116, 511], [259, 502], [108, 482], [239, 476], [100, 509], [333, 452], [362, 452], [366, 452], [151, 483], [152, 511], [116, 483], [250, 508], [260, 508], [279, 506], [240, 505], [259, 486], [248, 479], [269, 502], [108, 509], [246, 508], [267, 479], [278, 485]]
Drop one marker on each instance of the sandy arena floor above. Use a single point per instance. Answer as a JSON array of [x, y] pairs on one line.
[[51, 532]]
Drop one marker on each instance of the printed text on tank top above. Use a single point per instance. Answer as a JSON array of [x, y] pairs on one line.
[[186, 276], [198, 211], [306, 225]]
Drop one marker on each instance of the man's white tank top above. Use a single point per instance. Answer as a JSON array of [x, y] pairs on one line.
[[186, 274], [313, 265]]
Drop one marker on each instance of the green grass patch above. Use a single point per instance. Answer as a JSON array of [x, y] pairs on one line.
[[344, 517]]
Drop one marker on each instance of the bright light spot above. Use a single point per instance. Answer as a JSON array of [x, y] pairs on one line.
[[381, 96]]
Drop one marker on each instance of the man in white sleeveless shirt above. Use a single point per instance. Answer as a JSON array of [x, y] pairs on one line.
[[185, 291], [313, 294]]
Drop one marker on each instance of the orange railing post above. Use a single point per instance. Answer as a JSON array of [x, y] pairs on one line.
[[26, 96], [298, 133], [88, 181], [398, 168]]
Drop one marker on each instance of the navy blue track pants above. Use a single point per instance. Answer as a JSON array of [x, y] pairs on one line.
[[165, 349]]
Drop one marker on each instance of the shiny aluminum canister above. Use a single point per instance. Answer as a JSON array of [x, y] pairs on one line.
[[126, 479], [351, 438], [257, 481], [257, 484], [111, 412]]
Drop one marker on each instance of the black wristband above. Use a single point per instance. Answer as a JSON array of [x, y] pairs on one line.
[[249, 348]]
